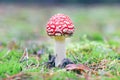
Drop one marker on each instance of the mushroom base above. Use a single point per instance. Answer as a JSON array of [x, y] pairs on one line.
[[60, 50]]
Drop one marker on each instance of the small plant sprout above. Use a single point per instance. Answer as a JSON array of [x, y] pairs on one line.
[[11, 45], [25, 56], [59, 27]]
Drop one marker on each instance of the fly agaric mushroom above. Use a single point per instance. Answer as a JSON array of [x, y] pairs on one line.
[[60, 27]]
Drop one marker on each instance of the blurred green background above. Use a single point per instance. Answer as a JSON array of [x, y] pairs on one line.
[[27, 22]]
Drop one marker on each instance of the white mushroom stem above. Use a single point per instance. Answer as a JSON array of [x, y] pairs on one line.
[[60, 50]]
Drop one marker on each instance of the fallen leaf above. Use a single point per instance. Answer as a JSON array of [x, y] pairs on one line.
[[14, 77], [77, 67], [12, 45], [1, 46]]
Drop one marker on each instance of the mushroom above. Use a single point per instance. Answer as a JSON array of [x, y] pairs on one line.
[[59, 27]]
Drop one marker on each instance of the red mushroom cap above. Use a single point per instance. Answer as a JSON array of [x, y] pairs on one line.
[[60, 25]]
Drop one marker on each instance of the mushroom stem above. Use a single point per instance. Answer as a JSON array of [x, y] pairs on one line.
[[60, 50]]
